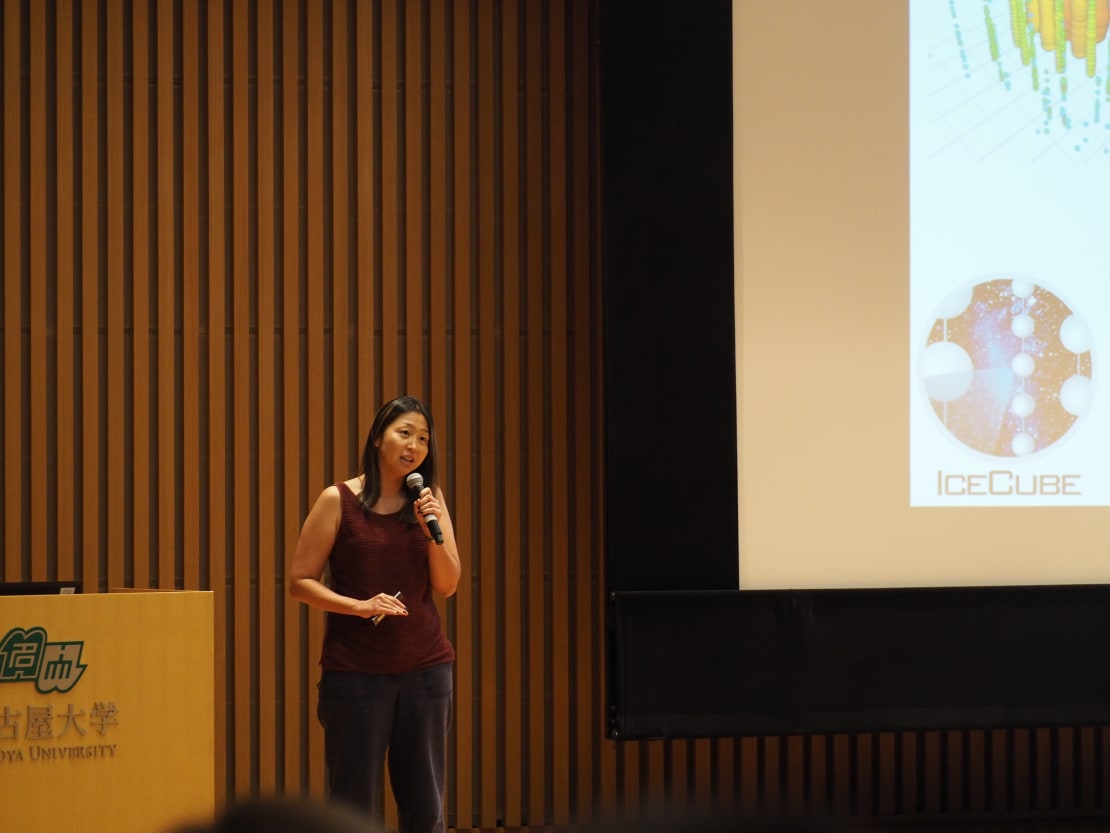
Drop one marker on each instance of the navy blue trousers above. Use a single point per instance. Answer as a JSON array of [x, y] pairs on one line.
[[399, 721]]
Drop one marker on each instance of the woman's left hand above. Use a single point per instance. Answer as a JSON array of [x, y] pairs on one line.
[[426, 504]]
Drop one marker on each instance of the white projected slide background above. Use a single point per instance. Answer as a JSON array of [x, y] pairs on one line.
[[1009, 252]]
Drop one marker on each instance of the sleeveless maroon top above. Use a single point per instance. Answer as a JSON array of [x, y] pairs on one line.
[[382, 554]]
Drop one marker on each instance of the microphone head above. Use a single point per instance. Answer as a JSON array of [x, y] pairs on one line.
[[415, 481]]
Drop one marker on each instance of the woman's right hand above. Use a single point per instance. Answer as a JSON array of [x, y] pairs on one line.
[[385, 604]]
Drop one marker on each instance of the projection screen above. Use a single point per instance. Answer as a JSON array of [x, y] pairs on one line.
[[922, 298]]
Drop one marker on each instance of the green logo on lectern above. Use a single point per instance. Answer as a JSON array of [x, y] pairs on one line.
[[26, 656]]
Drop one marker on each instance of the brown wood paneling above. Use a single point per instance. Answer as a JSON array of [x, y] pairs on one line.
[[511, 198], [35, 492], [343, 456], [242, 480], [112, 216], [389, 215], [412, 121], [13, 285], [464, 773], [164, 463], [535, 677], [65, 373], [313, 279], [484, 284], [140, 251], [297, 695], [440, 208], [91, 498], [271, 718], [215, 316], [193, 550], [561, 386]]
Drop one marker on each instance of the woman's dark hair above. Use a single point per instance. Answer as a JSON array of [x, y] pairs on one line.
[[387, 414]]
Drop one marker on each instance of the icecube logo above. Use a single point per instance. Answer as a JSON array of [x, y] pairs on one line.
[[1007, 367]]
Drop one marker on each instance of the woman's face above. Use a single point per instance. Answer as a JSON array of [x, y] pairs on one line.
[[403, 445]]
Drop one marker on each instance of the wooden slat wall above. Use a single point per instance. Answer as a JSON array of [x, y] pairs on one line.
[[229, 231], [936, 775]]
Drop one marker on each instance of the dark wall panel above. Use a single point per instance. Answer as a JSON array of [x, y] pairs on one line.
[[724, 664], [670, 393]]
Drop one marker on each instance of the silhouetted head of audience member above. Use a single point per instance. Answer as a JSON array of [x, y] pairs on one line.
[[286, 815]]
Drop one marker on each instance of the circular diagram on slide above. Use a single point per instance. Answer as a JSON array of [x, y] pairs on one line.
[[1008, 366]]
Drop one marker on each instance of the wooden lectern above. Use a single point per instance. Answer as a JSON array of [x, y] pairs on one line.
[[106, 712]]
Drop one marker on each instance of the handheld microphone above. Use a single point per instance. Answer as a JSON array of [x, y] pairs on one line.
[[415, 481]]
